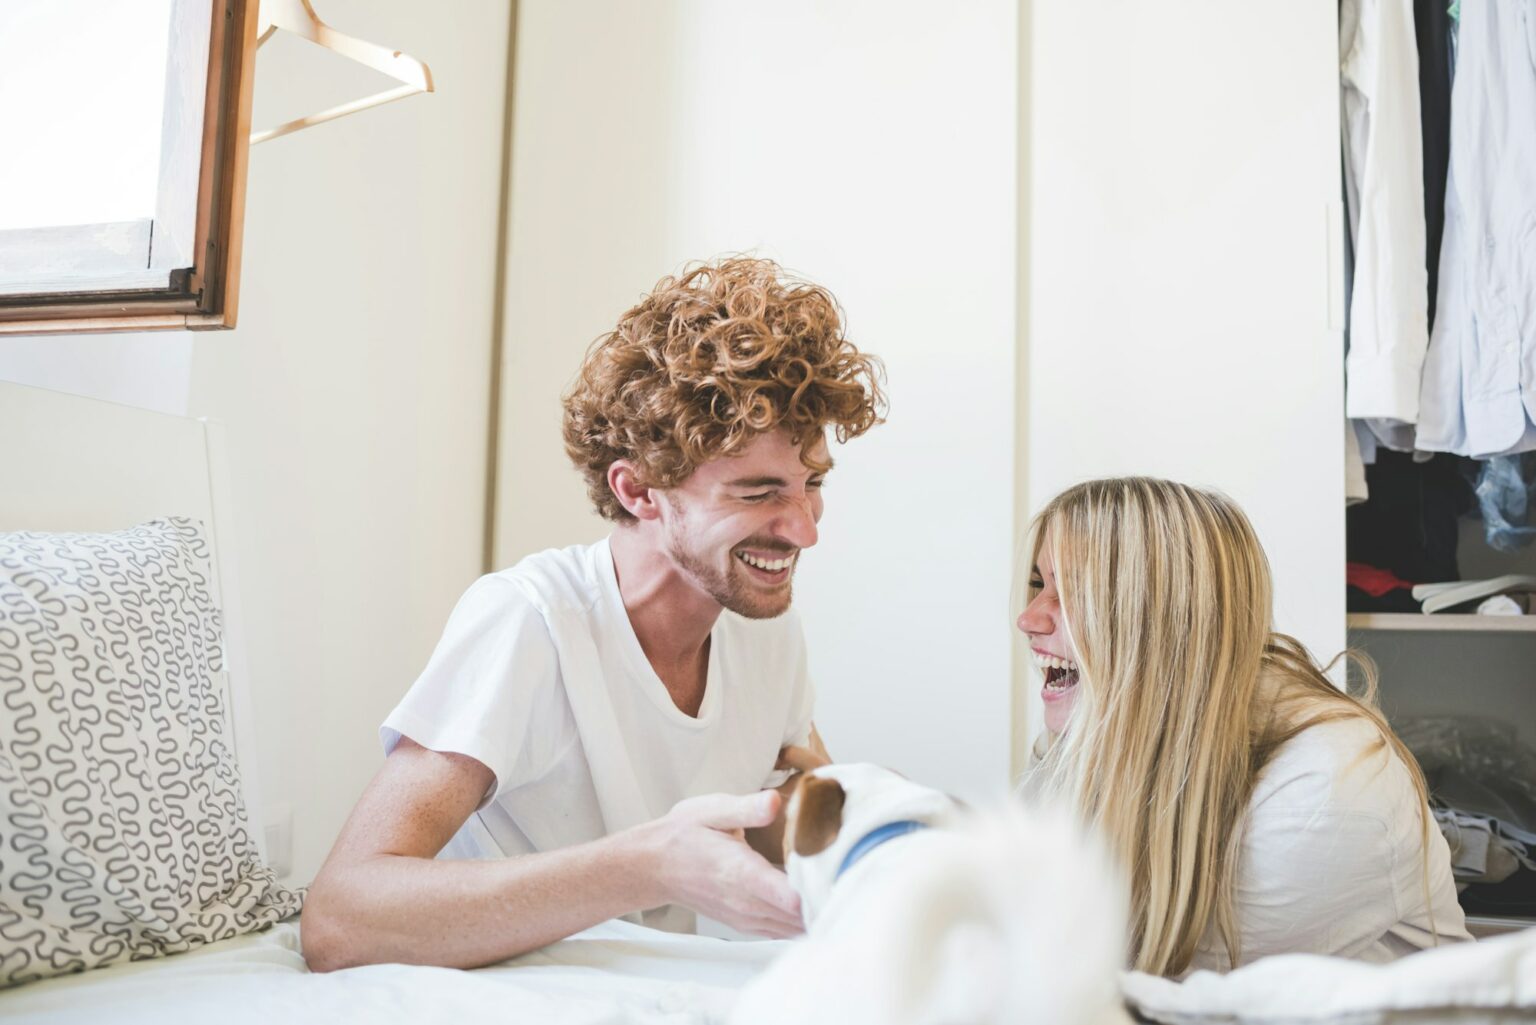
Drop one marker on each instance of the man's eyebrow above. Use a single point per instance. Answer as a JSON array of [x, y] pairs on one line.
[[757, 482], [766, 482]]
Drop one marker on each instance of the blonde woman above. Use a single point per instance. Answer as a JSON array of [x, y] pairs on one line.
[[1258, 809]]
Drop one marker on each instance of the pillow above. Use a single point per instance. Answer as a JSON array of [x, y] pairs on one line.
[[123, 830]]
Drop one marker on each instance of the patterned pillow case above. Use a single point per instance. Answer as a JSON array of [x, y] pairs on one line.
[[123, 830]]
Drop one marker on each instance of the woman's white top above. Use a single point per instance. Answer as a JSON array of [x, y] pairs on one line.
[[1334, 857]]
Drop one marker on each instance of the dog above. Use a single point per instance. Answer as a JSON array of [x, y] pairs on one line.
[[920, 912]]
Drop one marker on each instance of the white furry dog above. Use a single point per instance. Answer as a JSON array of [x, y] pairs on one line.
[[918, 913]]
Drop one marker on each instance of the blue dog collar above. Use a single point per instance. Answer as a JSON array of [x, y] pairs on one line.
[[872, 840]]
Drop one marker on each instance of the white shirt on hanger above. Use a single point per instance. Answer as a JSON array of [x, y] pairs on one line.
[[1355, 488], [539, 676], [1384, 186], [1479, 390]]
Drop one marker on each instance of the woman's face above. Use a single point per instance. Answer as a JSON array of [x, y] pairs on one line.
[[1042, 623]]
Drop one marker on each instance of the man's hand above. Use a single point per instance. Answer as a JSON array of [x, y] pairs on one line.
[[702, 862]]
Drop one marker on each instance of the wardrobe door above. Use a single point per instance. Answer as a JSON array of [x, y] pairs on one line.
[[1183, 270]]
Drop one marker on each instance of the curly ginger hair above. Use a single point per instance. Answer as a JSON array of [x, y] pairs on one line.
[[704, 364]]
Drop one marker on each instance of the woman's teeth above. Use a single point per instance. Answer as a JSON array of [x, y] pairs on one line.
[[1060, 679], [770, 565], [1060, 673], [1052, 662]]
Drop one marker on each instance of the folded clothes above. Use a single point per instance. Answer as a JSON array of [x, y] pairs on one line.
[[1479, 852], [1451, 595], [1373, 589], [1479, 766], [1373, 580]]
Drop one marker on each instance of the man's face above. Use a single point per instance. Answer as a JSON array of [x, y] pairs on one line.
[[737, 525]]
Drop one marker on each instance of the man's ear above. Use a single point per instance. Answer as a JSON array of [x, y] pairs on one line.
[[634, 496], [818, 814]]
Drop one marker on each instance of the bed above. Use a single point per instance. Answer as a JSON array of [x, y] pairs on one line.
[[72, 464]]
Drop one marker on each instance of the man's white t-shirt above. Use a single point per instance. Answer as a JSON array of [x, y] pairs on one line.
[[540, 677]]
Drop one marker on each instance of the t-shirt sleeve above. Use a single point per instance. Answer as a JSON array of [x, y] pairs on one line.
[[490, 689]]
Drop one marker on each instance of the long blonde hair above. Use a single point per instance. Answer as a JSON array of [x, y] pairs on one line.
[[1184, 694]]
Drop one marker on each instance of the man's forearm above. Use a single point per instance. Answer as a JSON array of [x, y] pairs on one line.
[[461, 914]]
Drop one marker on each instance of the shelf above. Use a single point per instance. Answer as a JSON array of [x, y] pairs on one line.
[[1440, 622]]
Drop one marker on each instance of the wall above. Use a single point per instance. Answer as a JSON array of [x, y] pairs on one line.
[[355, 390], [151, 371], [871, 147], [1184, 294]]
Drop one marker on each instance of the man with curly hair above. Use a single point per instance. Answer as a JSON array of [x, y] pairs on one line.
[[601, 729]]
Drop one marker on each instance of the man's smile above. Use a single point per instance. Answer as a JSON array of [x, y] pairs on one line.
[[768, 567]]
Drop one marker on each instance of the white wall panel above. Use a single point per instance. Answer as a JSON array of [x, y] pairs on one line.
[[355, 391], [1184, 272], [870, 146]]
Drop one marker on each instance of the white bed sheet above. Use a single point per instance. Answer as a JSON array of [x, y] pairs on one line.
[[615, 972], [623, 973]]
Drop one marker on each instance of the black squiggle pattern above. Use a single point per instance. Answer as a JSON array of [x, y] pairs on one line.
[[122, 822]]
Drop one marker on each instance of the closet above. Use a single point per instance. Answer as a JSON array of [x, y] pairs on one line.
[[1440, 184]]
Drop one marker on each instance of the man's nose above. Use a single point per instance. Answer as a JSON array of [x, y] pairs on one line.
[[798, 524]]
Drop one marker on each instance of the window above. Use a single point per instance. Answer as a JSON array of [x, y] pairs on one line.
[[126, 128]]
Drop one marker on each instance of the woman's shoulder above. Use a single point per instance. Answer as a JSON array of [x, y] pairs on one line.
[[1344, 766]]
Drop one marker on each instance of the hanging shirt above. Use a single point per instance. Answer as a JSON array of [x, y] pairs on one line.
[[1432, 25], [1478, 396], [1355, 488], [1384, 189], [540, 677]]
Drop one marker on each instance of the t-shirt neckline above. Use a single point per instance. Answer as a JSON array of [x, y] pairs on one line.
[[634, 654]]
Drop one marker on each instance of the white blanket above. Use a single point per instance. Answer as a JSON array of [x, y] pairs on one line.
[[616, 972], [1492, 982]]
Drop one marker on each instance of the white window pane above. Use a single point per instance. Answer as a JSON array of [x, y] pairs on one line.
[[82, 97]]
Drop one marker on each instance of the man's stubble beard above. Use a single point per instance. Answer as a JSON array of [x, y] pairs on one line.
[[728, 591]]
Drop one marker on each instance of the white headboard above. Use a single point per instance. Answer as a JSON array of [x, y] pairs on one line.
[[75, 464]]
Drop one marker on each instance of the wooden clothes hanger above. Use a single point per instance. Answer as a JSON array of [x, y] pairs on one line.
[[299, 17]]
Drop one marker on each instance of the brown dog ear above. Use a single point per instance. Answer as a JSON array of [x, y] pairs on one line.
[[819, 815]]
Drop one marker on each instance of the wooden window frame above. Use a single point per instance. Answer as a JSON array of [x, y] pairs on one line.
[[204, 296]]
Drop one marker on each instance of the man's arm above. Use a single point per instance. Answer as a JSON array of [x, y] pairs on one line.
[[381, 896]]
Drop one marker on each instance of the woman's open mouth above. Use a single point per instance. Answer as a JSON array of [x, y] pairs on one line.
[[1060, 674], [1060, 679]]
